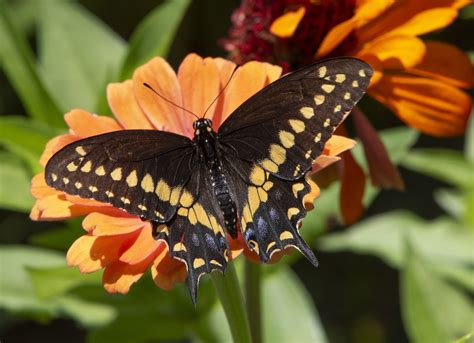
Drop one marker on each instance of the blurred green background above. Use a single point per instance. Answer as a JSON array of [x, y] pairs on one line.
[[403, 273]]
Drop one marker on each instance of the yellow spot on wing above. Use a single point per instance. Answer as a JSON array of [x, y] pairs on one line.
[[287, 139], [202, 215], [319, 99], [270, 245], [308, 154], [93, 189], [257, 175], [179, 247], [86, 167], [362, 73], [78, 185], [328, 88], [71, 167], [80, 150], [54, 177], [65, 180], [347, 96], [147, 184], [186, 199], [355, 84], [109, 194], [192, 217], [296, 188], [285, 235], [268, 185], [262, 194], [277, 154], [198, 262], [254, 200], [116, 175], [100, 171], [307, 112], [132, 179], [175, 193], [163, 191], [142, 207], [337, 108], [317, 138], [216, 263], [297, 125], [292, 211], [269, 165], [327, 122], [340, 78], [125, 200], [322, 71]]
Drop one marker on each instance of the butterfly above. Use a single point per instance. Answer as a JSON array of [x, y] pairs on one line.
[[249, 177]]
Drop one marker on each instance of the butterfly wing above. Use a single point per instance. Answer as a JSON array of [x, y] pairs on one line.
[[271, 141], [140, 171], [285, 126]]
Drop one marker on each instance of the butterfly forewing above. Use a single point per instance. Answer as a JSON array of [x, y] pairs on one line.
[[140, 171], [285, 126]]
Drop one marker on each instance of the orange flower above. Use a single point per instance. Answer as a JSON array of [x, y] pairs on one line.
[[422, 82], [116, 241]]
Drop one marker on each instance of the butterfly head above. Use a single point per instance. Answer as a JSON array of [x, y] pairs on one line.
[[201, 125]]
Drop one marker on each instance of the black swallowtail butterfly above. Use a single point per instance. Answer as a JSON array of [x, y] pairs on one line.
[[249, 176]]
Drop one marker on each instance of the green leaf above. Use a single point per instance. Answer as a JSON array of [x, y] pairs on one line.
[[26, 138], [17, 61], [16, 290], [452, 201], [14, 184], [468, 338], [469, 144], [446, 165], [288, 313], [433, 310], [58, 238], [154, 35], [50, 282], [78, 54]]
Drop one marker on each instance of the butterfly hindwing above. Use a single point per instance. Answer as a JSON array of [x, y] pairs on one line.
[[285, 126], [140, 171], [196, 234], [270, 209]]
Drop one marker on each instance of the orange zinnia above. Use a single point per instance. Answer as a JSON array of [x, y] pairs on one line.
[[116, 241], [422, 82]]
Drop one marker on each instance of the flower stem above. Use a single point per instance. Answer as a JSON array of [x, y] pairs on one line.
[[230, 295], [252, 291]]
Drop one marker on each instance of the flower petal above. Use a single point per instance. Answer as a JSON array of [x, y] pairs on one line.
[[334, 146], [119, 276], [383, 172], [39, 188], [56, 207], [352, 188], [366, 10], [447, 63], [395, 52], [162, 114], [411, 18], [225, 69], [117, 223], [167, 271], [85, 124], [431, 106], [90, 253], [200, 83], [56, 144], [286, 25], [142, 248], [125, 107]]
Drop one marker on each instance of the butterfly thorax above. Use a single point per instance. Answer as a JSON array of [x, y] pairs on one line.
[[205, 140]]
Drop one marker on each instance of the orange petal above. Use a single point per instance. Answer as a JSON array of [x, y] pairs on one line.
[[248, 80], [110, 225], [125, 107], [395, 52], [366, 10], [411, 18], [167, 271], [323, 161], [162, 114], [383, 172], [142, 248], [90, 253], [85, 124], [54, 145], [431, 106], [200, 83], [119, 276], [56, 207], [39, 188], [447, 63], [225, 68], [352, 188], [338, 144], [309, 198], [286, 25]]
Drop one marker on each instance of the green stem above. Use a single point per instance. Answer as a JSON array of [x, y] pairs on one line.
[[252, 295], [230, 295]]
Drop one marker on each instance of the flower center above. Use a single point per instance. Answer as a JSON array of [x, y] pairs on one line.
[[250, 37]]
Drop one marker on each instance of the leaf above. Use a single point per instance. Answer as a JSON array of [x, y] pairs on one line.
[[452, 201], [58, 238], [14, 184], [26, 138], [469, 144], [18, 64], [77, 52], [442, 164], [154, 35], [288, 313], [433, 310]]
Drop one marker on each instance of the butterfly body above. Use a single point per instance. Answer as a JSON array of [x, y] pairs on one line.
[[249, 177]]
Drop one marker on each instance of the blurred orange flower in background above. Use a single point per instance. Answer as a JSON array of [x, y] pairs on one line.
[[116, 241], [421, 81]]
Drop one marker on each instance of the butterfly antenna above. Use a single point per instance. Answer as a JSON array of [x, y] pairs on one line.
[[171, 102], [221, 91]]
